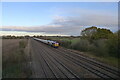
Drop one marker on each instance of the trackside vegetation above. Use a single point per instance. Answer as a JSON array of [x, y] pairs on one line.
[[15, 63], [100, 43]]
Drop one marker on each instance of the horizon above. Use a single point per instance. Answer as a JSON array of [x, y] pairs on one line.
[[57, 18]]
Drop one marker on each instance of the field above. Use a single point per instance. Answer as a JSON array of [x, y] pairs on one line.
[[15, 63]]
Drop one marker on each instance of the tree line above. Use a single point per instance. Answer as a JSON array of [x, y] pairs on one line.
[[105, 41]]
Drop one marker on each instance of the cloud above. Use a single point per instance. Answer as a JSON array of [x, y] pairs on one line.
[[74, 24], [29, 29], [77, 20], [88, 17]]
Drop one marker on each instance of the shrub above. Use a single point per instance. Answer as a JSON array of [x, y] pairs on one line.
[[81, 45], [112, 45], [97, 47], [100, 48], [65, 43]]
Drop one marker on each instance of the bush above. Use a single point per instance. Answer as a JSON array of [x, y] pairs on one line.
[[65, 43], [112, 45], [81, 45], [100, 48], [97, 47]]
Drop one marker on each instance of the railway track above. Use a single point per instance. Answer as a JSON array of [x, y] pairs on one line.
[[101, 70], [63, 62], [59, 61], [94, 68], [45, 68], [55, 67], [98, 64]]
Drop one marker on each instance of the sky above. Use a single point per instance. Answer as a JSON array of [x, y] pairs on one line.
[[57, 18]]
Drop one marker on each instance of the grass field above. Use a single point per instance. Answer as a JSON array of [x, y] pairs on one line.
[[15, 64]]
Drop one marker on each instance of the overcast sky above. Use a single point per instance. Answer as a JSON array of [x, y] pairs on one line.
[[57, 18]]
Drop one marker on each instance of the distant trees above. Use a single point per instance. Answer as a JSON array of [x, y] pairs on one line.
[[13, 37], [96, 33]]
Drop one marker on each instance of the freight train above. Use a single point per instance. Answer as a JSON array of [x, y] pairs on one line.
[[49, 42]]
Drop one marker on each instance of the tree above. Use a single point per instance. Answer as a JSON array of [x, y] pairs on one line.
[[88, 32], [27, 36], [102, 34], [96, 33]]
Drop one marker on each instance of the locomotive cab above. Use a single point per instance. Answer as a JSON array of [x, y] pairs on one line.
[[56, 45]]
